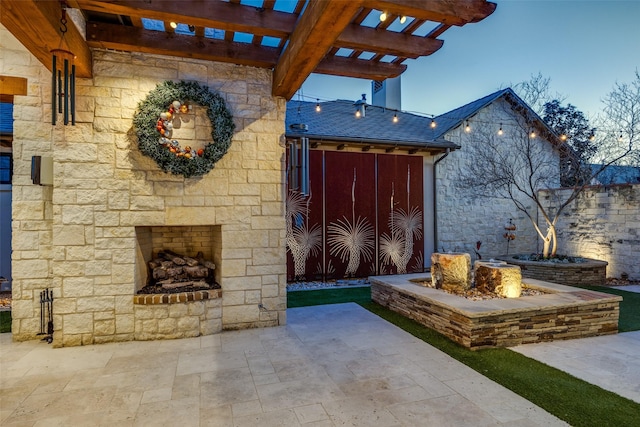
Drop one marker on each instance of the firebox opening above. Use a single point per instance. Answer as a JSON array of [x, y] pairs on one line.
[[186, 241]]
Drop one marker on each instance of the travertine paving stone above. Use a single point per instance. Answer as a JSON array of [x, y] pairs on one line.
[[336, 365]]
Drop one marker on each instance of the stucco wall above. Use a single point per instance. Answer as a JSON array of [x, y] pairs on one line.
[[462, 219], [602, 223], [78, 236]]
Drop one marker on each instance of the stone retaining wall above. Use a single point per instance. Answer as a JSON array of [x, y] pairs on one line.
[[602, 223], [590, 273], [577, 314]]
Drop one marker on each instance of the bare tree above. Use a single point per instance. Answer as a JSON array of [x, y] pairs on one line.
[[525, 159]]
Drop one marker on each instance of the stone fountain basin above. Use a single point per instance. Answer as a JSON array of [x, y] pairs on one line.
[[563, 312]]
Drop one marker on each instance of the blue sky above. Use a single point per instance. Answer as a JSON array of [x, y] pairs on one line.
[[583, 46]]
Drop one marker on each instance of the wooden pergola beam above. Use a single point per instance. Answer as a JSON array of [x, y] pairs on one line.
[[212, 14], [450, 12], [316, 31], [10, 85], [36, 24], [119, 37], [386, 42], [358, 68]]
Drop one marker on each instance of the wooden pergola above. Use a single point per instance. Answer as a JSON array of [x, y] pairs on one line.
[[292, 37]]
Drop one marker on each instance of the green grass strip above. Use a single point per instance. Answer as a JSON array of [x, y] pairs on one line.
[[571, 399], [328, 296], [5, 322]]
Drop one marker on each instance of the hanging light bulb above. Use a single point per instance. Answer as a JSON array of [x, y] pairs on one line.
[[433, 123], [403, 19], [358, 113], [620, 137], [383, 16], [395, 117], [563, 137], [592, 137], [533, 133], [467, 128], [500, 131], [318, 109]]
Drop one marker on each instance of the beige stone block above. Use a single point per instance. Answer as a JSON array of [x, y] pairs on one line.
[[27, 210], [236, 253], [92, 304], [272, 208], [234, 268], [188, 323], [124, 324], [240, 314], [150, 325], [167, 325], [25, 241], [267, 222], [233, 297], [74, 214], [178, 310], [98, 268], [146, 203], [268, 256], [142, 218], [71, 340], [30, 269], [105, 327], [253, 297], [123, 304], [142, 312], [77, 287], [68, 268], [266, 269], [65, 305], [195, 308], [243, 189], [270, 291], [241, 283], [77, 323], [69, 235], [77, 253], [179, 215], [232, 214]]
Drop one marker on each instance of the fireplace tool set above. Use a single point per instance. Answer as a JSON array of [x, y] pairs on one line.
[[46, 315]]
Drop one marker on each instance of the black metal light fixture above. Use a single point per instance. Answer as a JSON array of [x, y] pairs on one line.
[[63, 77]]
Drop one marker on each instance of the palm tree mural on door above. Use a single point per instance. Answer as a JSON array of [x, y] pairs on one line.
[[363, 217], [396, 247], [352, 240]]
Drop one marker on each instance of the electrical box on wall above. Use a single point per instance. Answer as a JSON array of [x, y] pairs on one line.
[[42, 170]]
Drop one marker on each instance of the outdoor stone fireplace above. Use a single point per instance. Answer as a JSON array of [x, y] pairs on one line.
[[89, 236]]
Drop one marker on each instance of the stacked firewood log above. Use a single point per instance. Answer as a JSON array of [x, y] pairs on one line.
[[171, 270]]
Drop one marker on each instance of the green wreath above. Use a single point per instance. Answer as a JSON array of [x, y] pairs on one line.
[[153, 126]]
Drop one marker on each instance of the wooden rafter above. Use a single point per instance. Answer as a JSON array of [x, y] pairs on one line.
[[450, 12], [317, 29], [36, 24]]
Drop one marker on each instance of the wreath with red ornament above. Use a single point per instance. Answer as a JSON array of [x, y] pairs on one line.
[[153, 123]]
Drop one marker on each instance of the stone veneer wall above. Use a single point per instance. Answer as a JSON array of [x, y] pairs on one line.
[[590, 317], [463, 220], [590, 273], [78, 236], [602, 223]]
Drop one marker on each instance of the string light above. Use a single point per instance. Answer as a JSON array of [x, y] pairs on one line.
[[433, 123], [383, 16], [403, 19], [318, 109], [563, 137], [592, 137], [358, 113], [395, 117], [500, 131], [173, 25], [532, 134], [620, 137], [467, 128]]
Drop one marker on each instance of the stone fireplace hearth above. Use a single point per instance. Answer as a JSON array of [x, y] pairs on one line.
[[89, 235]]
